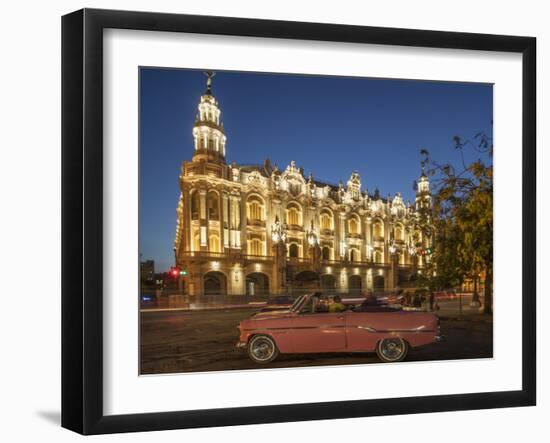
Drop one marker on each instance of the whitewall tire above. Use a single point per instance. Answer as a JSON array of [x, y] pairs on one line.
[[262, 349], [391, 350]]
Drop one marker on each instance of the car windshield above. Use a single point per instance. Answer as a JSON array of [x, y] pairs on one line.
[[297, 303]]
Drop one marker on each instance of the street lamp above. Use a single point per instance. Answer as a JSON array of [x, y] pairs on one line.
[[278, 231], [311, 236]]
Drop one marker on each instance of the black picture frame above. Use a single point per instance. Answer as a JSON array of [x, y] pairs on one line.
[[82, 218]]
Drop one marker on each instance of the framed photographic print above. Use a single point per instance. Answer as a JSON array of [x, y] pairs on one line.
[[270, 221]]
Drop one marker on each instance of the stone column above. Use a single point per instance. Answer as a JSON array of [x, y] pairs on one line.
[[342, 232], [235, 222], [368, 238], [187, 222], [342, 280], [203, 221], [369, 279], [194, 283], [242, 219], [224, 222], [394, 272]]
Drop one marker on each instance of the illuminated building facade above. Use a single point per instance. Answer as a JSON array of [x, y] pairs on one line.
[[258, 229]]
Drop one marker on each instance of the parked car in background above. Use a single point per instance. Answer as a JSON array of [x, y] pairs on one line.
[[369, 327], [148, 299]]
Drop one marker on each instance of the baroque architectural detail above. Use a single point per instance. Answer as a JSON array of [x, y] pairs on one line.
[[257, 229]]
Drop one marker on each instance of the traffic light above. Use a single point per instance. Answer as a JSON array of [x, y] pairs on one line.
[[174, 272], [424, 251], [183, 272]]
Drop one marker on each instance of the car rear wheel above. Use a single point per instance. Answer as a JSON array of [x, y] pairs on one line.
[[262, 349], [390, 350]]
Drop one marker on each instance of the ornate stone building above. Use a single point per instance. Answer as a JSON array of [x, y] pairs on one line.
[[258, 229]]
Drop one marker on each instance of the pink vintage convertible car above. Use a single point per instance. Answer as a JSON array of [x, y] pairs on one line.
[[303, 329]]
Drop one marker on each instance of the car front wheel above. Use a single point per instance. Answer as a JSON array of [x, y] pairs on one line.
[[262, 349], [390, 350]]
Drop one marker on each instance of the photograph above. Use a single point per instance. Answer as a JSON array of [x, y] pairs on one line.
[[293, 220]]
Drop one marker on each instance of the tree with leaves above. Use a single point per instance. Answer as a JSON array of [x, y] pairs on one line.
[[462, 218]]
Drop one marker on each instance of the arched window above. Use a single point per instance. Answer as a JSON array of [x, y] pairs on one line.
[[293, 250], [214, 242], [353, 225], [326, 253], [213, 207], [326, 221], [255, 209], [399, 232], [378, 230], [354, 255], [294, 215], [256, 247], [378, 257], [195, 205]]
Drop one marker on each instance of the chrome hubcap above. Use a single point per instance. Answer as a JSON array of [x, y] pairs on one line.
[[392, 348], [262, 349]]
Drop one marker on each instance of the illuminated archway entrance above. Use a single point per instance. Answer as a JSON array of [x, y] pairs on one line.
[[215, 283], [306, 281], [293, 250], [354, 284], [328, 282], [257, 283], [378, 283]]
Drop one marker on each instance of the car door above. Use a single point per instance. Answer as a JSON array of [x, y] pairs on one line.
[[318, 332], [362, 330]]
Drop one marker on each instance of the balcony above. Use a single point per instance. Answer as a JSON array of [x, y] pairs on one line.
[[298, 260], [294, 227], [347, 262], [409, 266], [235, 256], [255, 222], [257, 258]]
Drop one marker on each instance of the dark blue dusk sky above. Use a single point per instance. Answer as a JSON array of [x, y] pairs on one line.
[[330, 126]]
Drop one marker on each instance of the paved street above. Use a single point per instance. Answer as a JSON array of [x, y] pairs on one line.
[[191, 341]]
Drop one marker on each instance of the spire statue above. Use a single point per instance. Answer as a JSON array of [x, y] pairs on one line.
[[210, 75]]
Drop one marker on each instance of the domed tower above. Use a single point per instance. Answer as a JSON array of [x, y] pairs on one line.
[[423, 194], [208, 131]]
